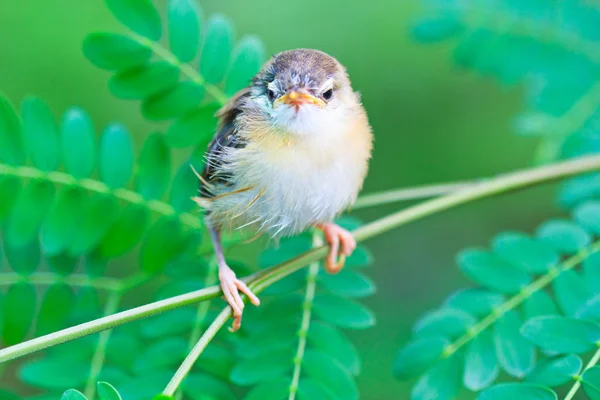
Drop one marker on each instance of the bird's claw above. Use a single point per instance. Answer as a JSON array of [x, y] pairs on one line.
[[337, 237], [232, 286]]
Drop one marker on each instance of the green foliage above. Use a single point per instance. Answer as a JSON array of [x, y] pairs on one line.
[[186, 84], [512, 322]]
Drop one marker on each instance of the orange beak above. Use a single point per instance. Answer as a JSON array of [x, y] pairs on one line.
[[296, 98]]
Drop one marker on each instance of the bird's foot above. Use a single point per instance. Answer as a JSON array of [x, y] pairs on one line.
[[337, 237], [231, 287]]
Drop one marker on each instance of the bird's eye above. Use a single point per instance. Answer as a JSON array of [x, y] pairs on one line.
[[271, 94], [328, 94]]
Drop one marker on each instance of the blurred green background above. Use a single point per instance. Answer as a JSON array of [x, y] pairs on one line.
[[432, 123]]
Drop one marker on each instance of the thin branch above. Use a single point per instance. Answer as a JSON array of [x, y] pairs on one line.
[[263, 279], [519, 298], [189, 361], [311, 284], [100, 353], [593, 361], [410, 193], [184, 68], [50, 278]]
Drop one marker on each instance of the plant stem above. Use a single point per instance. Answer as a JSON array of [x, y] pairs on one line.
[[184, 68], [411, 193], [311, 284], [189, 361], [49, 278], [595, 358], [107, 322], [519, 298], [263, 279], [98, 359], [61, 178]]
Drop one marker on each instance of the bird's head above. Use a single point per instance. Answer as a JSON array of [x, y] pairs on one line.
[[304, 92]]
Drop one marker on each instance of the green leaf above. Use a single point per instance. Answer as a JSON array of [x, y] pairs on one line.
[[481, 363], [107, 392], [342, 312], [125, 232], [329, 372], [30, 209], [11, 141], [114, 52], [55, 309], [539, 303], [443, 322], [515, 354], [217, 361], [63, 220], [504, 391], [268, 340], [417, 356], [163, 241], [54, 374], [73, 394], [488, 270], [185, 186], [154, 167], [591, 271], [40, 133], [248, 58], [564, 236], [193, 128], [442, 382], [138, 15], [278, 389], [347, 283], [591, 382], [10, 187], [161, 355], [185, 17], [216, 50], [116, 156], [78, 143], [142, 81], [477, 302], [198, 386], [436, 28], [309, 389], [588, 216], [265, 367], [361, 257], [329, 340], [590, 309], [173, 102], [555, 371], [63, 263], [570, 291], [562, 334], [146, 386], [122, 350], [23, 259], [529, 255], [18, 312], [95, 220], [170, 323]]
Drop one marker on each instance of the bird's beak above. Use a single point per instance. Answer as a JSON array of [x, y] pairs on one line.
[[296, 97]]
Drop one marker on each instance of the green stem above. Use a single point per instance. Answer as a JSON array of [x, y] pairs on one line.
[[311, 284], [263, 279], [99, 355], [411, 193], [593, 361], [519, 298], [61, 178], [189, 361], [49, 278], [184, 68]]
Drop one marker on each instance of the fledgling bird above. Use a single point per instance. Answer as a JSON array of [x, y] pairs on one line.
[[290, 153]]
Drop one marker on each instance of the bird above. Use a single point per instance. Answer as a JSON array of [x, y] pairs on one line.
[[290, 153]]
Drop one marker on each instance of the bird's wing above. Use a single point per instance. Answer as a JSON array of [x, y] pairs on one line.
[[225, 137]]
